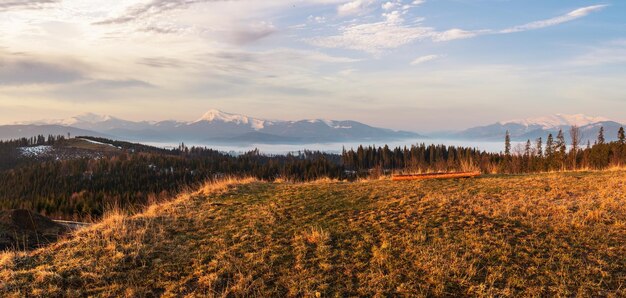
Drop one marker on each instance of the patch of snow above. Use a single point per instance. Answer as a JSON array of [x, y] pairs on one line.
[[98, 143], [35, 150], [557, 120], [329, 123]]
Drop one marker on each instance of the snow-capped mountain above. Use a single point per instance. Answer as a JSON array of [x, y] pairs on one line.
[[90, 121], [533, 128], [557, 120], [220, 127], [217, 115]]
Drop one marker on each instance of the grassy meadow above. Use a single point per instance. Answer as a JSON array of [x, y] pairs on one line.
[[561, 234]]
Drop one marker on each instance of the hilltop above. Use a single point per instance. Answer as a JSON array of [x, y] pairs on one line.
[[538, 235]]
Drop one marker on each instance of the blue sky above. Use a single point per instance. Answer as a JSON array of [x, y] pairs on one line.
[[418, 65]]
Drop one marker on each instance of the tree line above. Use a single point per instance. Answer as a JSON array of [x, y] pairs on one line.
[[555, 154]]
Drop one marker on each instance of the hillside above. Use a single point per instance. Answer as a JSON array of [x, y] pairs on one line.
[[536, 235]]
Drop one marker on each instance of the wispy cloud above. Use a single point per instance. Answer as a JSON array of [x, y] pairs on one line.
[[374, 37], [394, 32], [456, 33], [24, 70], [613, 52], [150, 9], [572, 15], [354, 7], [424, 59], [8, 5]]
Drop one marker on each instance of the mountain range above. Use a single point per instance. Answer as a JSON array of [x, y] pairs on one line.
[[217, 127], [213, 127], [533, 128]]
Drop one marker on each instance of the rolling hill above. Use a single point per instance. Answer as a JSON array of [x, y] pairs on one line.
[[535, 235]]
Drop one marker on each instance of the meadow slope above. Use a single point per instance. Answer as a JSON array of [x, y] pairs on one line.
[[534, 235]]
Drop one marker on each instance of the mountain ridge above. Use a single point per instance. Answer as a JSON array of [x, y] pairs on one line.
[[222, 127], [533, 128]]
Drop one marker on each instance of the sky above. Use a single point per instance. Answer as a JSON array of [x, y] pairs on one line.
[[405, 64]]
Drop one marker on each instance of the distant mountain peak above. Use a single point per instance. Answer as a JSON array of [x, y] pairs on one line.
[[217, 115], [87, 118], [557, 120]]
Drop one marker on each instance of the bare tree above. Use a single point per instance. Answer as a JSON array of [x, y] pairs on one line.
[[574, 134]]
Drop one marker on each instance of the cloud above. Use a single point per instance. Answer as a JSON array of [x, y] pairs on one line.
[[374, 37], [453, 34], [151, 9], [610, 53], [354, 7], [393, 32], [117, 84], [575, 14], [250, 34], [389, 5], [424, 59], [8, 5], [161, 62], [28, 72]]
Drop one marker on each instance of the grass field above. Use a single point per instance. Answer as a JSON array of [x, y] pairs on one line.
[[535, 235]]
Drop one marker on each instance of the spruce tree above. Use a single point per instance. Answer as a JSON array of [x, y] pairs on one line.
[[601, 136], [560, 143], [507, 144], [560, 148], [549, 146], [539, 147], [527, 149]]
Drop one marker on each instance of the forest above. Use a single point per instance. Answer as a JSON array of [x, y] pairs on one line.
[[79, 188], [82, 188]]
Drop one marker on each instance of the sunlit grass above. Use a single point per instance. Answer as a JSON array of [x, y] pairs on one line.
[[536, 235]]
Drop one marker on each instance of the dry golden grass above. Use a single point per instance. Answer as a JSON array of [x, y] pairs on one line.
[[535, 235]]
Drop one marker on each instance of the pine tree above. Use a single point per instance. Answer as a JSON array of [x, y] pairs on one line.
[[549, 146], [560, 148], [528, 157], [575, 139], [507, 144], [601, 136], [560, 143], [621, 136], [539, 147]]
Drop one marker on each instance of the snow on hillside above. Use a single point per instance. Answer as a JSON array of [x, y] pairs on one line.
[[35, 151], [99, 143], [557, 120], [217, 115]]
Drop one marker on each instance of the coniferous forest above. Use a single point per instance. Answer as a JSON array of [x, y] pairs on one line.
[[83, 184]]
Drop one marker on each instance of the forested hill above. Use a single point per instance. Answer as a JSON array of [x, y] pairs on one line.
[[81, 177], [78, 178]]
